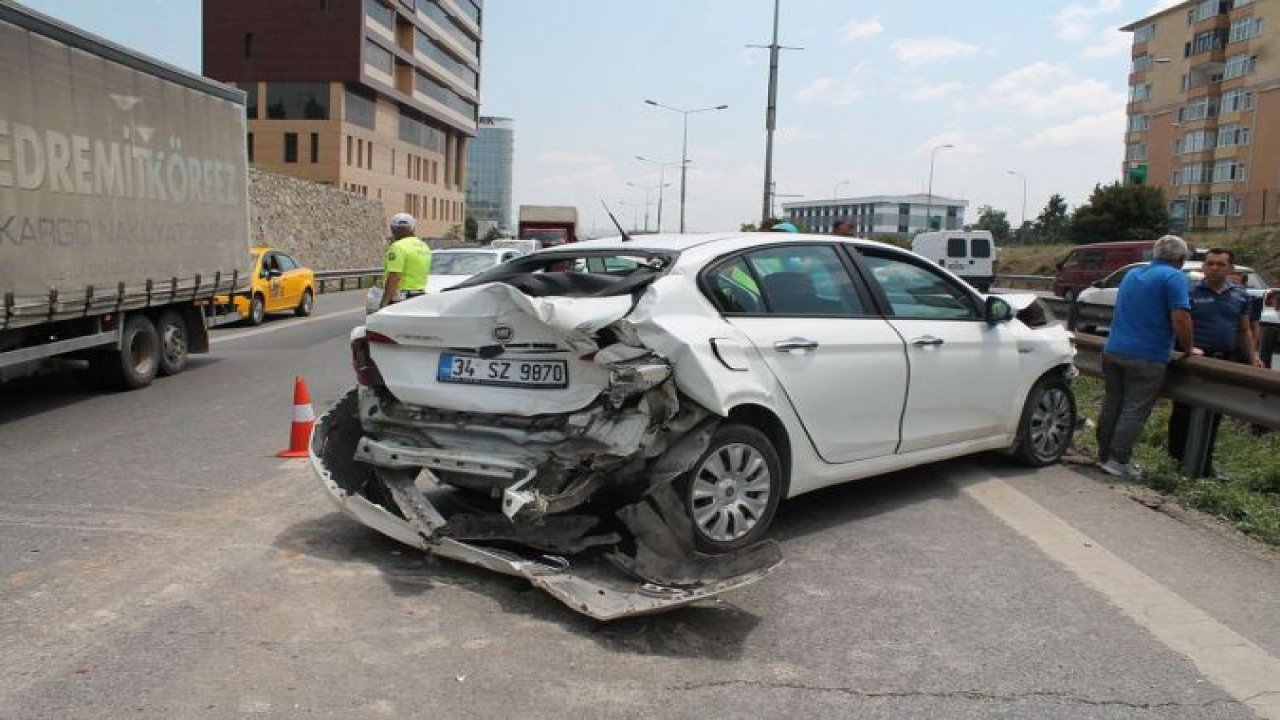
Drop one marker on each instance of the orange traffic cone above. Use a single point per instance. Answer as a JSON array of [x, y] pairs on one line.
[[304, 418]]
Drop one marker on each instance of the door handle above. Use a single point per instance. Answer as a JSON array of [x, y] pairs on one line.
[[795, 343], [927, 340]]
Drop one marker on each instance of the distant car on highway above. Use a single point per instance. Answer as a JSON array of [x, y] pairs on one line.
[[1104, 291], [452, 266], [1086, 264], [278, 283]]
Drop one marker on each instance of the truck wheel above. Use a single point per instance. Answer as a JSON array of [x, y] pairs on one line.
[[172, 329], [733, 490], [306, 305], [257, 310], [135, 364]]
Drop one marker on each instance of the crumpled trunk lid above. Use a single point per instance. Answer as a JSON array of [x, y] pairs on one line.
[[491, 349]]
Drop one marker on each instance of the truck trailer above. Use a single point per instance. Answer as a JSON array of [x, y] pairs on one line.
[[124, 206], [550, 225]]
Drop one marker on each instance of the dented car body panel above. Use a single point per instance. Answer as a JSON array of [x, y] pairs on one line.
[[644, 409]]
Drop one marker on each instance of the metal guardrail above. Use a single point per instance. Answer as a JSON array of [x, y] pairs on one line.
[[355, 277], [1023, 282]]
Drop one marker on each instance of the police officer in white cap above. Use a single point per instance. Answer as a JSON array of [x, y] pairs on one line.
[[407, 264]]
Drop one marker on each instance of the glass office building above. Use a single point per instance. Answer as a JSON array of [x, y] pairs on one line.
[[489, 164]]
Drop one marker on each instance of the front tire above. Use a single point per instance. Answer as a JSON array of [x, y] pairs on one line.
[[306, 305], [733, 490], [257, 310], [1047, 424], [172, 329]]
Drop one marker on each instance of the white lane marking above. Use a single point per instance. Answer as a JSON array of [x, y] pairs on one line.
[[284, 326], [1238, 666]]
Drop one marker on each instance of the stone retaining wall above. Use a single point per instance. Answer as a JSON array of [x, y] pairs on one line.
[[323, 227]]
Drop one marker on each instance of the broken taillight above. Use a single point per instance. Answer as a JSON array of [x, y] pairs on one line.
[[367, 372]]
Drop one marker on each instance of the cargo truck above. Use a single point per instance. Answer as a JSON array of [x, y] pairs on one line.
[[550, 225], [123, 205]]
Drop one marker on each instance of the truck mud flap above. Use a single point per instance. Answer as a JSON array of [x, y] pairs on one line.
[[592, 586]]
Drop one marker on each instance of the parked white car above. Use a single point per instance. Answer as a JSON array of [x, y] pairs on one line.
[[655, 400], [1104, 291]]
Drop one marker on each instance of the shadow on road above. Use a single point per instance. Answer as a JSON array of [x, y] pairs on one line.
[[714, 631]]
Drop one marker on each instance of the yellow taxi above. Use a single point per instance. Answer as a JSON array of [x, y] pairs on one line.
[[278, 284]]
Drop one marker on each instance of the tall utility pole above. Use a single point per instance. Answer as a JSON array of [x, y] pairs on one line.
[[928, 208], [1022, 177], [771, 113]]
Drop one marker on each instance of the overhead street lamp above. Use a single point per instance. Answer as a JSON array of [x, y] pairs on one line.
[[662, 181], [647, 201], [1024, 196], [684, 145], [928, 208]]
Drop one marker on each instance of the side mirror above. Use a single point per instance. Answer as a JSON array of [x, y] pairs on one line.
[[273, 273], [998, 310]]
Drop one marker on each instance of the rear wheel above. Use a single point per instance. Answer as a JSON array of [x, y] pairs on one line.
[[172, 329], [137, 361], [306, 304], [733, 490], [257, 310], [1047, 424]]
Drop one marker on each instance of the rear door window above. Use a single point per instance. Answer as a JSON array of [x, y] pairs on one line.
[[981, 248], [957, 247]]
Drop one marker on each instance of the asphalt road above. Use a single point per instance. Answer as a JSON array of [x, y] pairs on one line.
[[159, 562]]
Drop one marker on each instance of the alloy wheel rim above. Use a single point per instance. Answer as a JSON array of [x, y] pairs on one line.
[[730, 492], [1051, 423]]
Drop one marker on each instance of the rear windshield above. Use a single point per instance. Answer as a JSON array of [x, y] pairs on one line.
[[462, 263], [589, 273], [956, 247], [981, 248]]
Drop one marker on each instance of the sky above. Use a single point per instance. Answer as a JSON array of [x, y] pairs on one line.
[[1036, 87]]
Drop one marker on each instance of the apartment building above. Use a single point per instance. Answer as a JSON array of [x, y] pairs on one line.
[[378, 97], [878, 214], [1204, 111]]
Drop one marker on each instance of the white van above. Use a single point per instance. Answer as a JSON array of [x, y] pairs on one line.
[[971, 254]]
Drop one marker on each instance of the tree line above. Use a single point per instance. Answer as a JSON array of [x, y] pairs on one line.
[[1112, 212]]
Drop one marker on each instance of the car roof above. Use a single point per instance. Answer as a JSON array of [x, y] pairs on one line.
[[470, 250], [697, 247]]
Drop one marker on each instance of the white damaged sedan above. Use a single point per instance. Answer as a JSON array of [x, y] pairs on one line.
[[645, 404]]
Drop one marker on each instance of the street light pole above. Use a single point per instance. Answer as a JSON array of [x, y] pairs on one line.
[[771, 113], [662, 181], [928, 208], [684, 146], [836, 189], [1024, 197]]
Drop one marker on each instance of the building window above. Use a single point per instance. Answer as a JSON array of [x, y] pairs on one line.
[[350, 148], [1228, 171], [249, 146], [248, 46], [1138, 123], [359, 109], [1142, 63], [436, 14], [368, 157], [315, 147], [1205, 10], [1240, 65], [1245, 28], [1144, 34], [1195, 141], [1231, 135], [378, 57], [436, 52], [1140, 92], [1236, 101], [1226, 204], [414, 128], [298, 101], [1195, 173], [381, 14], [443, 95], [1198, 110], [1135, 152], [291, 147], [250, 99], [1206, 41]]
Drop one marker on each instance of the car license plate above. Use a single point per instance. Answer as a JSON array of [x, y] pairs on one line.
[[549, 374]]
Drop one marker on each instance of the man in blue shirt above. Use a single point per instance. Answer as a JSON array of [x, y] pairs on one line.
[[1220, 313], [1152, 310]]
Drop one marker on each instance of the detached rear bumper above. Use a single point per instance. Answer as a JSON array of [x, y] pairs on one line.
[[389, 501]]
